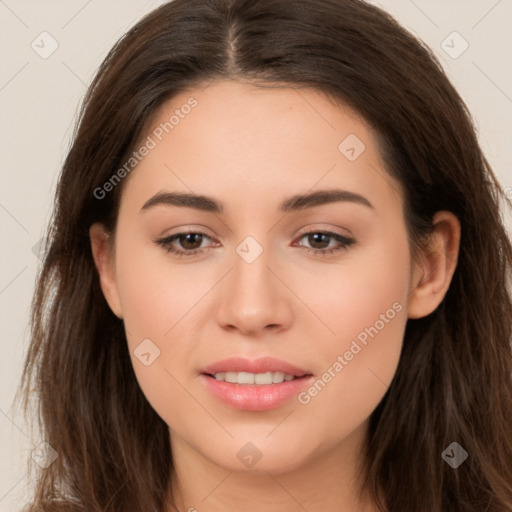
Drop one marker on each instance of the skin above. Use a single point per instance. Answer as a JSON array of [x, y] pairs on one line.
[[250, 148]]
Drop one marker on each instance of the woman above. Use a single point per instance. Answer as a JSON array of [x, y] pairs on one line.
[[337, 335]]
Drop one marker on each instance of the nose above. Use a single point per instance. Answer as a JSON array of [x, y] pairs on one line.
[[254, 299]]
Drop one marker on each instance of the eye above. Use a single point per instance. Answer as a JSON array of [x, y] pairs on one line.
[[320, 241], [191, 243]]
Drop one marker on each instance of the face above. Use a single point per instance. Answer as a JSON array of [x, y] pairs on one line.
[[320, 287]]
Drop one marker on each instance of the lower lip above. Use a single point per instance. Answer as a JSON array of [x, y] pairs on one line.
[[252, 397]]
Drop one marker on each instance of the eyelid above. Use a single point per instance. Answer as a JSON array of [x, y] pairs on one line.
[[346, 242], [317, 228], [198, 229], [189, 228]]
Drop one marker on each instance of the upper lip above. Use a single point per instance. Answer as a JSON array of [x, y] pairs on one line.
[[261, 365]]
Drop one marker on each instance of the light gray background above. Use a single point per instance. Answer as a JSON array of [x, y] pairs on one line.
[[39, 98]]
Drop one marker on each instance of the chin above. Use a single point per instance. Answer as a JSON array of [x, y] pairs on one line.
[[264, 456]]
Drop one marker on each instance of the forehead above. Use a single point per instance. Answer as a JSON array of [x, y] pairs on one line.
[[241, 139], [248, 112]]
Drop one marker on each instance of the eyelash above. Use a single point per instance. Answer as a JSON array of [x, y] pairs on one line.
[[166, 243]]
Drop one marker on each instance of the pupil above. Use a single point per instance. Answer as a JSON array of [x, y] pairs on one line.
[[187, 240], [316, 236]]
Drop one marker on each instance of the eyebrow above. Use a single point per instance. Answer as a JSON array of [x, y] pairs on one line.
[[294, 203]]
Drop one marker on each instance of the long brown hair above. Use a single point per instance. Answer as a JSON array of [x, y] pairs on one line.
[[454, 379]]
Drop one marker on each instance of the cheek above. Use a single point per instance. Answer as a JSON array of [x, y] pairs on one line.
[[155, 291], [352, 294], [155, 298], [364, 307]]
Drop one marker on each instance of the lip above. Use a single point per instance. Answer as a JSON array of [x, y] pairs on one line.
[[261, 365], [254, 397]]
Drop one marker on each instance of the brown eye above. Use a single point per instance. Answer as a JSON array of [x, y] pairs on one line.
[[190, 241], [184, 244], [320, 242]]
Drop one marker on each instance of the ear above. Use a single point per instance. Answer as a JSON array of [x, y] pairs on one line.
[[103, 254], [433, 274]]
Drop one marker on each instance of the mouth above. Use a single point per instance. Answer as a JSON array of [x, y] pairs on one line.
[[258, 379], [265, 370], [255, 385]]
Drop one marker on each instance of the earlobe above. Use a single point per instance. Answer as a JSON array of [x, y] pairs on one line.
[[433, 274], [103, 260]]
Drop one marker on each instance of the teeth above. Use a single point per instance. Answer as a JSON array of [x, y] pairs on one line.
[[254, 378]]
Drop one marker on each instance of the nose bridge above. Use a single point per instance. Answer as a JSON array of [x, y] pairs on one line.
[[254, 298], [251, 276]]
